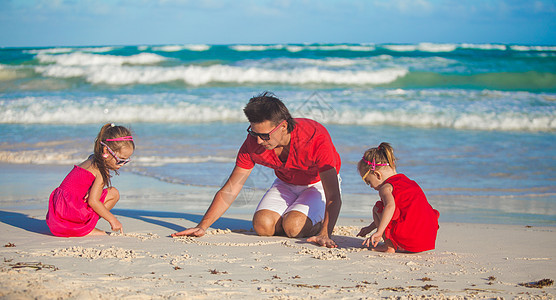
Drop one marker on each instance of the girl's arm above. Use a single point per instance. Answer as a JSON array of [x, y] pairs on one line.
[[387, 198], [94, 202]]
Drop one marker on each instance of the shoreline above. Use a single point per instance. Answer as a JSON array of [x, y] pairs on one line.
[[470, 260]]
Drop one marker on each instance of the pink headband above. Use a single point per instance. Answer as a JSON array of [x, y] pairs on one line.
[[122, 138], [373, 164]]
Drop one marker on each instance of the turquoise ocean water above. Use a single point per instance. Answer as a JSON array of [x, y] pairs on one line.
[[473, 124]]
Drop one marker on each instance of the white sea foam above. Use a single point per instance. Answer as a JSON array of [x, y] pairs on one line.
[[484, 46], [424, 47], [331, 62], [61, 71], [466, 121], [199, 47], [401, 48], [169, 48], [68, 50], [49, 51], [155, 161], [200, 75], [87, 59], [176, 48], [294, 49], [246, 48], [364, 48], [298, 48], [46, 155], [429, 47], [413, 112], [532, 48], [41, 156], [96, 49], [31, 110]]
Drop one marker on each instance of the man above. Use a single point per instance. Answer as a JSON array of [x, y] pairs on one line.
[[305, 198]]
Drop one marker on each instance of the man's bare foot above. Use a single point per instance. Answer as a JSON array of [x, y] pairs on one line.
[[96, 232]]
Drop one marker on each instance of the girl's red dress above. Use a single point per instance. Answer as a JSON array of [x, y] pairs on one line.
[[415, 223], [69, 214]]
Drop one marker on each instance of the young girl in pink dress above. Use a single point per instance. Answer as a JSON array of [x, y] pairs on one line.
[[76, 205], [403, 217]]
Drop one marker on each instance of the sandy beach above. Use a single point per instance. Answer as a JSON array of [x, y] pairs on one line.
[[470, 260]]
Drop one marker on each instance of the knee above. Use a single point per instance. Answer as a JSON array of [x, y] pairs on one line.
[[113, 194], [294, 224], [263, 225]]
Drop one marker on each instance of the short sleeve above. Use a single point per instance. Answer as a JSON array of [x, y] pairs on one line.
[[325, 154], [243, 159]]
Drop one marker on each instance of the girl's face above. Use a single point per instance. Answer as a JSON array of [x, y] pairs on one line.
[[114, 161], [373, 180]]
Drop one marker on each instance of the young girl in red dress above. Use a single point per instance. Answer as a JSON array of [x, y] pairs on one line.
[[403, 217], [76, 205]]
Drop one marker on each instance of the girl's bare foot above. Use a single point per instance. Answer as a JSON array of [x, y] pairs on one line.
[[96, 232], [387, 247], [384, 248]]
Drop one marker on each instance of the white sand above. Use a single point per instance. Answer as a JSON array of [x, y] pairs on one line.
[[145, 263]]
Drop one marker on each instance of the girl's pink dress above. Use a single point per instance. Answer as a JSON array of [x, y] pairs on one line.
[[68, 212], [415, 223]]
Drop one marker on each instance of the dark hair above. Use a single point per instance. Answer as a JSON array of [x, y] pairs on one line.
[[267, 107], [109, 131], [384, 153]]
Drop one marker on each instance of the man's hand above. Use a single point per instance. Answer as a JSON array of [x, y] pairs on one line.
[[366, 230], [324, 241], [195, 231]]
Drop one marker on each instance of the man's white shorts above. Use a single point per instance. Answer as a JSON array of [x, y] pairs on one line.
[[284, 197]]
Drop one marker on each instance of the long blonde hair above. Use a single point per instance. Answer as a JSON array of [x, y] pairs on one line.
[[109, 131], [376, 158]]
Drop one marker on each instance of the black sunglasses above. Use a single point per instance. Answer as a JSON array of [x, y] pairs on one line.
[[263, 136]]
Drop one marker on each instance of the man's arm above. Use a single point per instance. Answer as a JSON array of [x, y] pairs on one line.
[[220, 203], [331, 187]]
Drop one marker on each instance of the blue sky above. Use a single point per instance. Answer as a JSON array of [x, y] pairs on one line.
[[30, 23]]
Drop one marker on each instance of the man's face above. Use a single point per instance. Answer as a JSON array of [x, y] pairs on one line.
[[274, 132]]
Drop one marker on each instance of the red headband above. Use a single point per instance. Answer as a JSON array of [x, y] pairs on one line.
[[374, 164]]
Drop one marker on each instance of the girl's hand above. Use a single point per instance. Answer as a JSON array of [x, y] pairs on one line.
[[366, 230], [116, 226], [366, 242], [375, 238], [195, 231]]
